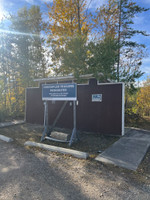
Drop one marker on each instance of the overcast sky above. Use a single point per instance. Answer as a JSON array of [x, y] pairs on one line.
[[141, 22]]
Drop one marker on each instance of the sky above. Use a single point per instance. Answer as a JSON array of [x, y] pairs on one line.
[[141, 21]]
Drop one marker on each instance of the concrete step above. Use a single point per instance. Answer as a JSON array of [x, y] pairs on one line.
[[60, 135]]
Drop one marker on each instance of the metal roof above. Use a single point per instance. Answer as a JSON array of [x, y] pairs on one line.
[[64, 78]]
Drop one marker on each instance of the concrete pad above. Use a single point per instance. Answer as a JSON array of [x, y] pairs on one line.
[[128, 151], [74, 153], [6, 139], [60, 135]]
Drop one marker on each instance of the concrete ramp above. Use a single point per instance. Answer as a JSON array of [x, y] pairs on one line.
[[128, 151]]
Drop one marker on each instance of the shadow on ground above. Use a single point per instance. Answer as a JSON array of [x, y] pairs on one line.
[[31, 173], [23, 175]]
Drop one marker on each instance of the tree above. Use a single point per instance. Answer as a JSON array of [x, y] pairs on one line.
[[129, 65], [6, 67], [66, 20], [22, 58], [106, 21], [67, 35], [127, 11], [28, 44], [102, 58], [143, 99], [22, 43], [73, 57], [39, 53], [116, 19]]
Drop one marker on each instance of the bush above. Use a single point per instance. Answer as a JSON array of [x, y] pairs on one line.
[[131, 117]]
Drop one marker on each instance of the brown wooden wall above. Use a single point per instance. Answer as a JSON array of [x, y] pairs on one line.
[[102, 117]]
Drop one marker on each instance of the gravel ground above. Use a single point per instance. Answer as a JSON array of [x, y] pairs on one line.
[[33, 174]]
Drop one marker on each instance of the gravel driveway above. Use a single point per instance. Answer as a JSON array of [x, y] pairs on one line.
[[32, 174]]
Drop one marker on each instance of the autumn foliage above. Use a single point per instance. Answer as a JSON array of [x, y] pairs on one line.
[[143, 99], [66, 20], [76, 41]]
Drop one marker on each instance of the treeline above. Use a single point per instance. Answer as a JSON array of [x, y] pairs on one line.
[[22, 58], [75, 41], [138, 103], [83, 42]]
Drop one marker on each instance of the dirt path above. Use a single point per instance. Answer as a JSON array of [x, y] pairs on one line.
[[29, 174]]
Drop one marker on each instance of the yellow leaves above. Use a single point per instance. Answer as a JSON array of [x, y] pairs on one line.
[[13, 99], [143, 98], [64, 18], [106, 19]]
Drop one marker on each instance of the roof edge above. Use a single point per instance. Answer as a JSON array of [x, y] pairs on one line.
[[64, 78]]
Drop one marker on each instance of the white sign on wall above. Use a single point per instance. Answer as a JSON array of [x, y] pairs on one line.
[[96, 97]]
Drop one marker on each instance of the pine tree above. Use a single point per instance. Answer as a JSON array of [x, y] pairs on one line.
[[127, 11], [116, 19], [102, 58]]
